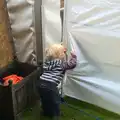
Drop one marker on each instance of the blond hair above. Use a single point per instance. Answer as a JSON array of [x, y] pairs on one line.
[[55, 51]]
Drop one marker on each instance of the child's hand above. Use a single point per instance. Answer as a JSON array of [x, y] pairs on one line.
[[73, 54]]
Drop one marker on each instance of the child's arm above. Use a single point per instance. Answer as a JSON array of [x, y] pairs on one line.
[[71, 63]]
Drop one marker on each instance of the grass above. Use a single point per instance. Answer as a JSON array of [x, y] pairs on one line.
[[71, 114]]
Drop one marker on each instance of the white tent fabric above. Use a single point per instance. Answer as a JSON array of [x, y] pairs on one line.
[[51, 22], [92, 29], [21, 13]]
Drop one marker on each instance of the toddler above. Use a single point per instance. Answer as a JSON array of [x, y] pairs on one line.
[[53, 72]]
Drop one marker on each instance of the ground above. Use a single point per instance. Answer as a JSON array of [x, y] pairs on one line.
[[71, 114]]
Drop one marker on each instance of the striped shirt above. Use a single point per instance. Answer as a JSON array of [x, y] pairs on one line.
[[53, 71]]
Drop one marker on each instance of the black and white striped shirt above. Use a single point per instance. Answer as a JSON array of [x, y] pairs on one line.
[[53, 71]]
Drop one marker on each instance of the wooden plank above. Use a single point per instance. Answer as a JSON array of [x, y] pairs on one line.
[[6, 53], [62, 3]]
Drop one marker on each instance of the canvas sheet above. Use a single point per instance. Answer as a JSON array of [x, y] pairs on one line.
[[51, 22], [92, 29], [24, 32], [21, 13]]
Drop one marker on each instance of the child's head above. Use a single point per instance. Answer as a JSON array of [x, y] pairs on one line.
[[56, 51]]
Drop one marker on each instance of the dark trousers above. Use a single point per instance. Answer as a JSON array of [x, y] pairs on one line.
[[50, 98]]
